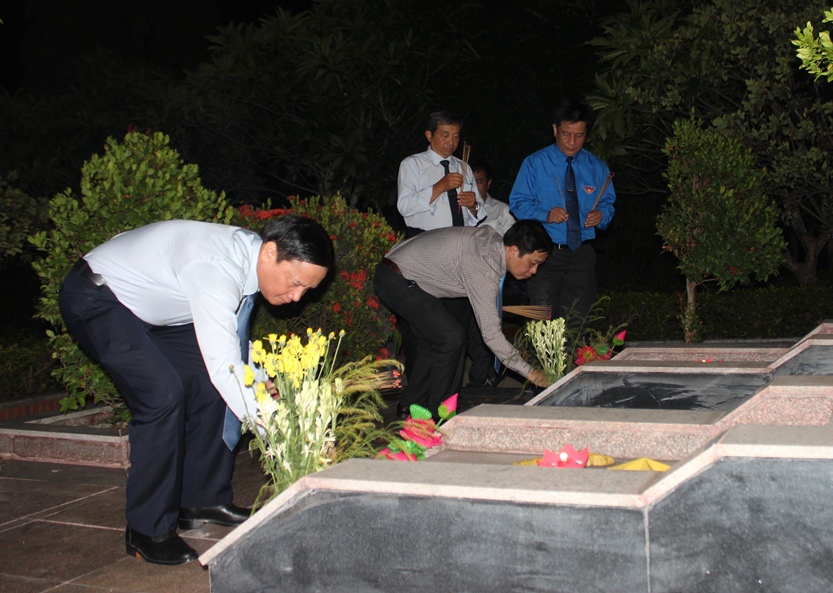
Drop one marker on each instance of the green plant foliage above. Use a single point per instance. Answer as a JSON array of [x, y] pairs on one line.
[[135, 182], [20, 216], [815, 53], [731, 63], [328, 99], [717, 221], [347, 301], [26, 367]]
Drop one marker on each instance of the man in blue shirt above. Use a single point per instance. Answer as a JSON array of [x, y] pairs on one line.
[[543, 190]]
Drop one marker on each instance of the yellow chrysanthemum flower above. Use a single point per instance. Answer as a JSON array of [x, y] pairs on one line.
[[261, 393], [248, 376]]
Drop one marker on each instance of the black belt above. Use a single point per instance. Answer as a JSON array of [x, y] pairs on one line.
[[565, 246], [392, 265], [83, 268]]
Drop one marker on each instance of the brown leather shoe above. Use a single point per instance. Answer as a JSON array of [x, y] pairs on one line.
[[167, 549], [228, 515]]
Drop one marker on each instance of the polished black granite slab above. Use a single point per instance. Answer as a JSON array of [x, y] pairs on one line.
[[341, 542], [668, 391], [746, 525]]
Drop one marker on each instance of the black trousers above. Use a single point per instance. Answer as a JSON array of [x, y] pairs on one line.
[[566, 282], [437, 338], [177, 455]]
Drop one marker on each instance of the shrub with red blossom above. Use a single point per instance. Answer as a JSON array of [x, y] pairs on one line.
[[346, 300]]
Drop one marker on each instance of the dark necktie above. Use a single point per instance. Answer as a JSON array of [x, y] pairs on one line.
[[231, 425], [456, 211], [573, 222]]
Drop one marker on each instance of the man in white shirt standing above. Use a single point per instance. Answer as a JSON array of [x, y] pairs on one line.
[[157, 306], [435, 191]]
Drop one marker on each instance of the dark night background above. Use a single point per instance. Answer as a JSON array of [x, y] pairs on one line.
[[519, 60]]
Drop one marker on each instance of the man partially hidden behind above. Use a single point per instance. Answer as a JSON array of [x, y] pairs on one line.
[[482, 371], [158, 307], [417, 275], [544, 190]]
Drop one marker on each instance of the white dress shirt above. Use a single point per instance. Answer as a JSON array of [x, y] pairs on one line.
[[498, 215], [417, 175], [181, 271]]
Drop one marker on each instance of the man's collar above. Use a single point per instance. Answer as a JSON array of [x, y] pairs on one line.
[[437, 158]]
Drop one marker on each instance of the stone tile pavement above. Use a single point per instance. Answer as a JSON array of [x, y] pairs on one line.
[[62, 526]]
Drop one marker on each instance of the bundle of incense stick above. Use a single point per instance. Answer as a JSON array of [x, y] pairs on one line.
[[465, 159], [530, 311], [602, 191]]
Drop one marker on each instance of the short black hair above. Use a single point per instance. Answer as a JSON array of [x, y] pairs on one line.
[[481, 166], [528, 236], [573, 111], [300, 239], [443, 118]]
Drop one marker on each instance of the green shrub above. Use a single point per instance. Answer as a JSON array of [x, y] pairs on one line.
[[20, 216], [770, 312], [135, 182], [766, 313], [347, 301], [717, 221], [647, 315], [26, 367]]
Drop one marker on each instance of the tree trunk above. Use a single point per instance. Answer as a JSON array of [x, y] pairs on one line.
[[805, 271], [690, 319]]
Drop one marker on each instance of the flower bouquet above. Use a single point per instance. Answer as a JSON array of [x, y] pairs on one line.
[[547, 338], [311, 414]]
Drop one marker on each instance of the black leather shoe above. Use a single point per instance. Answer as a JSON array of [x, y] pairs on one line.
[[165, 549], [228, 515]]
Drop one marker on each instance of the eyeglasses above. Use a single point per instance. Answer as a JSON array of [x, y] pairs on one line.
[[568, 136]]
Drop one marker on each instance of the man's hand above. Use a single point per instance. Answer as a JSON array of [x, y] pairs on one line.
[[467, 199], [450, 181], [538, 379], [594, 218], [557, 215]]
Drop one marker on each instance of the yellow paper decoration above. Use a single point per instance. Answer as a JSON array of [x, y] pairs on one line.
[[642, 464]]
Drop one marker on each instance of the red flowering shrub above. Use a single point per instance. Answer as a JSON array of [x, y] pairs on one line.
[[347, 300]]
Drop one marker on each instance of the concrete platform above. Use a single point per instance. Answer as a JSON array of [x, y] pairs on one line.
[[743, 506]]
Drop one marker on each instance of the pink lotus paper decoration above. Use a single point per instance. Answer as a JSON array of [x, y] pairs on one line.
[[419, 433], [599, 350], [386, 453], [568, 457]]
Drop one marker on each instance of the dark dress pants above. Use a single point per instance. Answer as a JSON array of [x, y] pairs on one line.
[[482, 360], [566, 282], [439, 338], [177, 455]]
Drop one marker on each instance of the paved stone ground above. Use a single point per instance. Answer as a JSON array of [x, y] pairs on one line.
[[62, 526]]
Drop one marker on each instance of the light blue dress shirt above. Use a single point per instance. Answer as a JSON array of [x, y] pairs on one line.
[[181, 271]]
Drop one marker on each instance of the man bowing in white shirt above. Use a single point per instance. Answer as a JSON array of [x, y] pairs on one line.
[[157, 306]]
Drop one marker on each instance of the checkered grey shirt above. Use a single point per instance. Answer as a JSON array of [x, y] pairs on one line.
[[463, 262]]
